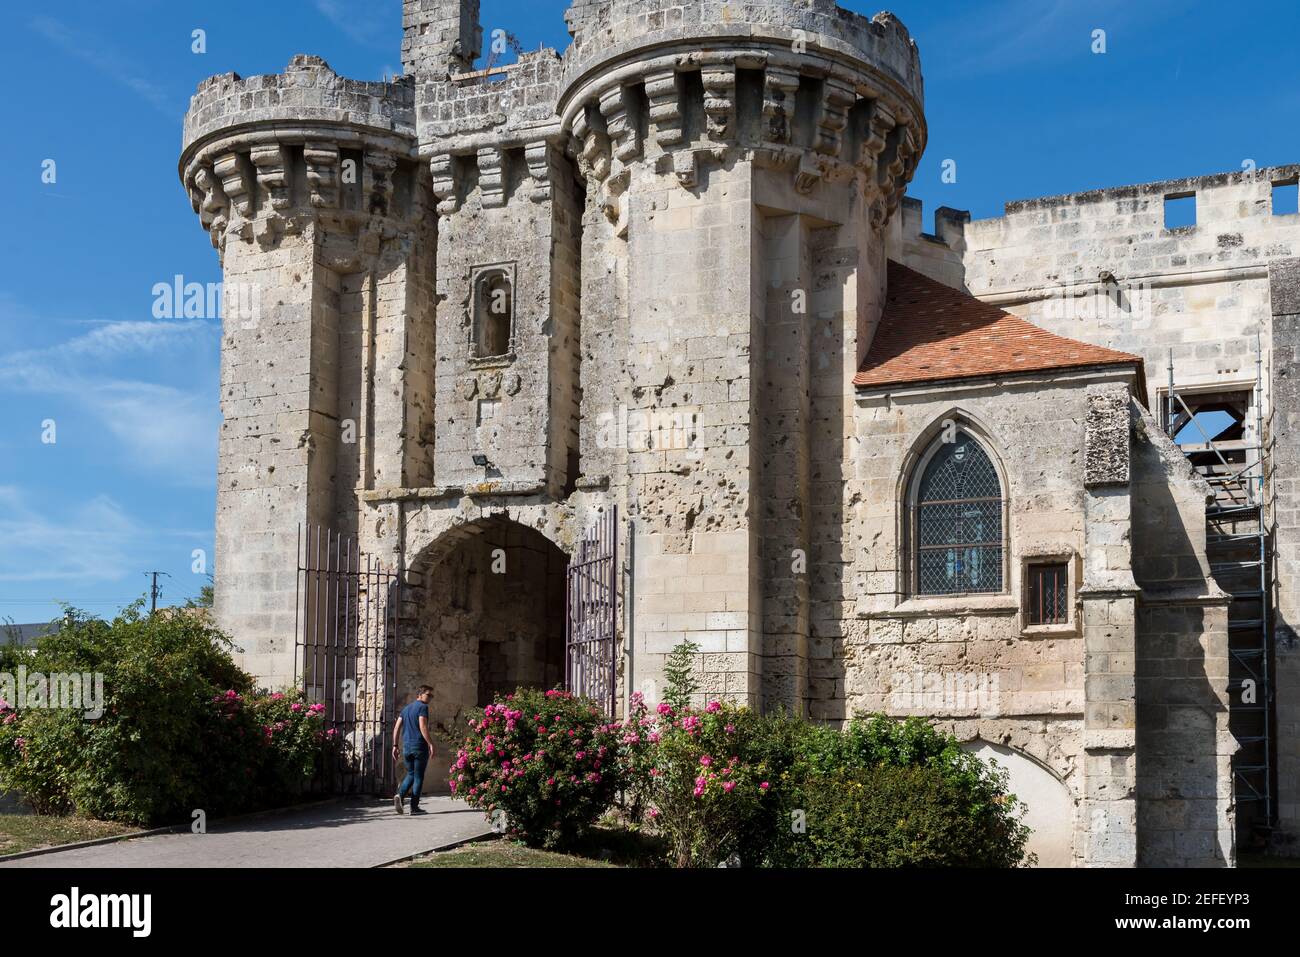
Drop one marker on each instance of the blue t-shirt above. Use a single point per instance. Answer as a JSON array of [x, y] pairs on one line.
[[412, 740]]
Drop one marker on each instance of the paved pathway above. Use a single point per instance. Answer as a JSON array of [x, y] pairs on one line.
[[337, 834]]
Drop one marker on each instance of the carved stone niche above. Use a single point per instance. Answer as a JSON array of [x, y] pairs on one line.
[[492, 329]]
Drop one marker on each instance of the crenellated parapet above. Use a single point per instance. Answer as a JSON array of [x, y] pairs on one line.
[[826, 95], [266, 154], [494, 129]]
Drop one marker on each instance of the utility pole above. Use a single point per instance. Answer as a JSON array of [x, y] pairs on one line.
[[153, 590]]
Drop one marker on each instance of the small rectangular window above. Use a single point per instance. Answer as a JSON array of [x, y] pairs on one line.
[[1180, 210], [1049, 594], [1286, 198]]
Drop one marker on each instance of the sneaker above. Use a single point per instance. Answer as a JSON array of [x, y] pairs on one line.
[[399, 803], [418, 810]]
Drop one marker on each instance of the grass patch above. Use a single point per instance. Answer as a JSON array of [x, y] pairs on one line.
[[27, 832], [503, 853], [612, 845]]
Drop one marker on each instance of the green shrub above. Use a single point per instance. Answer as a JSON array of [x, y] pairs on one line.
[[181, 728], [796, 798], [543, 763], [903, 816], [680, 685]]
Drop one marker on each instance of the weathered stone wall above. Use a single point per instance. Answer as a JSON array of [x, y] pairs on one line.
[[1283, 436], [1184, 747], [974, 660]]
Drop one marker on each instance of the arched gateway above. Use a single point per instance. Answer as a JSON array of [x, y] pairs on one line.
[[490, 618]]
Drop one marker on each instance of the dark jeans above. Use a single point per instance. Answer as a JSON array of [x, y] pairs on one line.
[[416, 762]]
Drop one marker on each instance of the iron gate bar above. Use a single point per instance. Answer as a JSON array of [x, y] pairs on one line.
[[590, 605], [346, 619]]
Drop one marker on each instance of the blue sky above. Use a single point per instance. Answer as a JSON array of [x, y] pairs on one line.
[[1014, 93]]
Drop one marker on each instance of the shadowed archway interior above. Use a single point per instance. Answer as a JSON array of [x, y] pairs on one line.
[[491, 619]]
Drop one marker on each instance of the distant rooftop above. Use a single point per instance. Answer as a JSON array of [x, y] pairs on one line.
[[24, 634]]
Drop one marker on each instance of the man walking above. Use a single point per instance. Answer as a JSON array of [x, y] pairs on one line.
[[411, 735]]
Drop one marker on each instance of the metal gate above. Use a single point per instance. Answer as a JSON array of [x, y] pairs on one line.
[[345, 656], [591, 609]]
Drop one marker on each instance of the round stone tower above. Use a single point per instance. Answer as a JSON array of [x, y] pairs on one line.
[[741, 162]]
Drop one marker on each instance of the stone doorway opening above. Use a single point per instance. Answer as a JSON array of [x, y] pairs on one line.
[[491, 619]]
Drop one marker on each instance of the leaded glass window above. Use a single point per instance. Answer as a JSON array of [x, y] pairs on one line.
[[958, 521]]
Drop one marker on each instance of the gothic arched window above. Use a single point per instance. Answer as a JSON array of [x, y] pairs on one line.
[[957, 520]]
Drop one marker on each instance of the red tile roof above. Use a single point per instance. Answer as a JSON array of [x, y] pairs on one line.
[[930, 331]]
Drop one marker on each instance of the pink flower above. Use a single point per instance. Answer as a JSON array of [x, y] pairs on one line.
[[730, 729], [712, 706], [706, 760], [765, 785], [665, 708], [700, 784], [729, 786], [277, 696], [653, 812], [295, 707]]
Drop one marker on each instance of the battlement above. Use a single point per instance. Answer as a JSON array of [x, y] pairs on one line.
[[604, 32], [308, 91], [507, 103]]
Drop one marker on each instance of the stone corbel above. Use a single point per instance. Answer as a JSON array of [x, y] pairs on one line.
[[272, 163], [322, 162], [809, 173], [443, 170], [837, 99], [665, 107], [491, 177], [780, 86], [719, 99], [593, 144], [620, 125], [900, 169], [211, 204], [540, 159], [235, 183], [876, 136], [686, 168], [378, 181]]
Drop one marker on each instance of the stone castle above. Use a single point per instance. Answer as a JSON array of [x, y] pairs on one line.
[[671, 273]]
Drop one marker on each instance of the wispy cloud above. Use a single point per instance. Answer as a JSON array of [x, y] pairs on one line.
[[167, 431], [365, 21], [117, 66], [94, 541]]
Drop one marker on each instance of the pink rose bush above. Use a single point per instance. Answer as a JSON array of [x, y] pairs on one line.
[[700, 789], [545, 765]]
